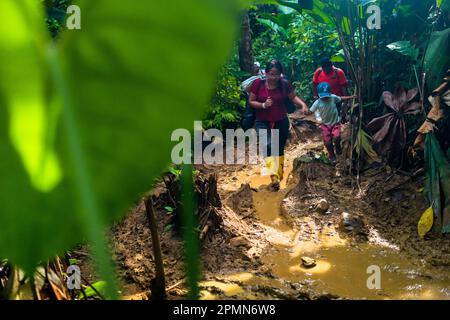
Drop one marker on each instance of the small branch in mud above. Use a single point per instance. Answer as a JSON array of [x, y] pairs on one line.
[[158, 284], [172, 287]]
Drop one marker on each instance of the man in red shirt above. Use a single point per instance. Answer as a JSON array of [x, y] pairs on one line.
[[335, 77]]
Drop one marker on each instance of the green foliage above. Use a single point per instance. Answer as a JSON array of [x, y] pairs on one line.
[[413, 39], [363, 145], [169, 209], [56, 13], [314, 157], [406, 48], [86, 125], [226, 106], [437, 58], [311, 42], [299, 47], [97, 289], [175, 171], [190, 234], [437, 185]]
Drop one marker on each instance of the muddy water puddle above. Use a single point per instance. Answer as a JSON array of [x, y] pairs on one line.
[[349, 273], [236, 285], [341, 268]]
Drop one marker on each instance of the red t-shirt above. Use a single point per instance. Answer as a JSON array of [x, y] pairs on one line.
[[278, 110], [336, 79]]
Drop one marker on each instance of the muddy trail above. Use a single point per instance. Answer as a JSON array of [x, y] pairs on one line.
[[320, 237]]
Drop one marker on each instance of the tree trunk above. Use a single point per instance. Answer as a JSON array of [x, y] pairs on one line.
[[246, 59]]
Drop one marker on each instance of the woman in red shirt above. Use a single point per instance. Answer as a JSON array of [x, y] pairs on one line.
[[268, 96]]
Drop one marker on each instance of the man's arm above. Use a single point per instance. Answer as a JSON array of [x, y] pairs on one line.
[[345, 98]]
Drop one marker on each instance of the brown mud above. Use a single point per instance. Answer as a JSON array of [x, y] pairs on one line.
[[257, 253]]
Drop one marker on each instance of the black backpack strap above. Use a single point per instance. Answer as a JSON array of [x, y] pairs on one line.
[[335, 70], [285, 87]]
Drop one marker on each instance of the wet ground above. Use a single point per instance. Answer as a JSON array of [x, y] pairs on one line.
[[343, 267], [368, 230], [345, 261]]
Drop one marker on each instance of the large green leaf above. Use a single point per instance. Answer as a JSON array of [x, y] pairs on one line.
[[318, 11], [132, 75], [321, 12], [274, 26], [366, 2], [405, 48], [338, 56], [282, 20], [437, 57], [345, 25], [291, 4], [443, 4], [285, 20], [437, 185], [30, 168]]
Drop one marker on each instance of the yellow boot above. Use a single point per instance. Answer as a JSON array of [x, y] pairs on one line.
[[270, 167], [274, 168], [280, 167]]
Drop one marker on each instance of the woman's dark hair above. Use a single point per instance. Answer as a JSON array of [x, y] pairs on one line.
[[274, 64]]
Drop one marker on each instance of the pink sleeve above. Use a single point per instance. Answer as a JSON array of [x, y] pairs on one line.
[[255, 86]]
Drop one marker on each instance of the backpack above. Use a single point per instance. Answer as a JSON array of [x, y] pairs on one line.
[[246, 85], [291, 108], [249, 116], [248, 119]]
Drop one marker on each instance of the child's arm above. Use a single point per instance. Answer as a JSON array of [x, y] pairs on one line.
[[312, 109]]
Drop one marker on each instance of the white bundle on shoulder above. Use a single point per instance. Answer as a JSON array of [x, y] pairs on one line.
[[247, 84]]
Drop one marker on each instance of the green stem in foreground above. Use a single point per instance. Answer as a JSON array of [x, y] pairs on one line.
[[190, 236], [89, 208]]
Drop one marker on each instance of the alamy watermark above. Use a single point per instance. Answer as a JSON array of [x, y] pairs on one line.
[[73, 277], [374, 280], [231, 149], [73, 21], [374, 20]]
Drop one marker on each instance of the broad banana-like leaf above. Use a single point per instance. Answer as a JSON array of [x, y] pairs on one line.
[[437, 57], [86, 123], [437, 185], [405, 48]]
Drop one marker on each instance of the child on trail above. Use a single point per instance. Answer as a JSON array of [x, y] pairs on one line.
[[327, 113]]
